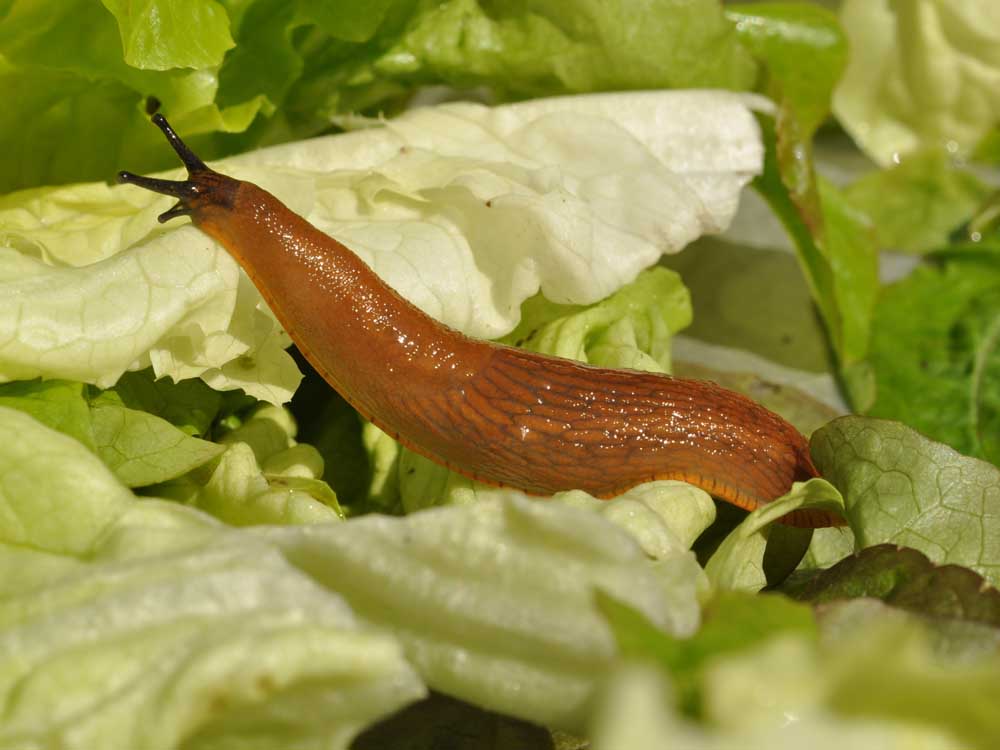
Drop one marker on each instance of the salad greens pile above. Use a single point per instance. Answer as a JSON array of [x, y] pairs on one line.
[[202, 546]]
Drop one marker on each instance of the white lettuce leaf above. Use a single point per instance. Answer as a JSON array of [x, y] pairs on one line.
[[464, 209], [144, 624], [494, 602], [147, 624]]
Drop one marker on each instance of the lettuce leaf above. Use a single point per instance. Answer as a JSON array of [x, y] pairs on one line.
[[59, 404], [731, 284], [630, 329], [164, 34], [916, 205], [903, 577], [922, 74], [494, 601], [175, 627], [142, 449], [143, 624], [62, 511], [741, 560], [733, 622], [834, 249], [189, 405], [545, 47], [900, 487], [72, 69], [879, 683], [245, 74], [935, 352], [803, 51], [264, 476], [436, 189]]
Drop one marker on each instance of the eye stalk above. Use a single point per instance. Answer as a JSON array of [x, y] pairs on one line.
[[202, 182]]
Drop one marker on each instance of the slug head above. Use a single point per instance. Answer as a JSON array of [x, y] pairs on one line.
[[204, 187]]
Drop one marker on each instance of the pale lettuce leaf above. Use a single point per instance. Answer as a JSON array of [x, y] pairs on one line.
[[921, 73], [240, 493], [635, 713], [62, 511], [142, 622], [633, 328], [739, 562], [174, 633], [882, 671], [593, 188], [757, 678], [494, 602], [263, 477], [147, 625]]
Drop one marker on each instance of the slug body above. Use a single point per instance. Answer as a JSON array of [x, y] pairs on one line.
[[494, 413]]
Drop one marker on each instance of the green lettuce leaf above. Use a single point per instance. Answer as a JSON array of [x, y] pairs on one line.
[[837, 256], [630, 329], [142, 449], [244, 74], [921, 74], [189, 405], [902, 488], [164, 34], [803, 50], [73, 69], [916, 205], [935, 352], [905, 578], [547, 47], [59, 404], [754, 299]]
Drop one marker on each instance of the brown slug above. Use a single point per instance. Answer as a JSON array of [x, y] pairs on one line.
[[494, 413]]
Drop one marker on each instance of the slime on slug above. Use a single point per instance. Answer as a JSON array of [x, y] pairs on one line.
[[494, 413]]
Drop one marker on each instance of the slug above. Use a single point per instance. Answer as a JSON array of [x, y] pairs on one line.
[[493, 413]]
